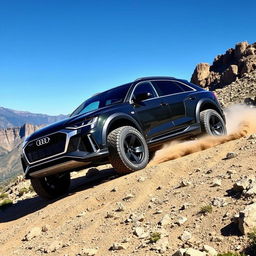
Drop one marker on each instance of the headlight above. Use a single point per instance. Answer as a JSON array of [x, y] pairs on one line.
[[83, 123]]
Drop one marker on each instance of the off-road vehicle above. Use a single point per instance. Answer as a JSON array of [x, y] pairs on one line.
[[119, 126]]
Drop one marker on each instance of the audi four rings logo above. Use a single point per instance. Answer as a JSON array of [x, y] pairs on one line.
[[42, 141]]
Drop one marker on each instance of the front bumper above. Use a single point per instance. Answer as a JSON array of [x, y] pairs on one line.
[[78, 151]]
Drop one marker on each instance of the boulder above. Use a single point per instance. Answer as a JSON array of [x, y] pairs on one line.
[[200, 74], [240, 49], [247, 219], [229, 75]]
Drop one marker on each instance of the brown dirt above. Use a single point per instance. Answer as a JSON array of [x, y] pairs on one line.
[[78, 220]]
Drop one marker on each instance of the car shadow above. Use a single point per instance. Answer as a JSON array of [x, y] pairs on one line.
[[28, 206]]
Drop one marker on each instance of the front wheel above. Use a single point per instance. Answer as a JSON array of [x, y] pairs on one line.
[[128, 150], [50, 187], [212, 123]]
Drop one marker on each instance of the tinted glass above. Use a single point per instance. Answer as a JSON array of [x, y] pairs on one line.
[[93, 106], [144, 88], [113, 96], [184, 87], [166, 87]]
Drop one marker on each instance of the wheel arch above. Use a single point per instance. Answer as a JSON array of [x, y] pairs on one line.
[[207, 104], [117, 120]]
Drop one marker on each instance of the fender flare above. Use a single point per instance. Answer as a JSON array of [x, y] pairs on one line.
[[208, 101], [114, 117]]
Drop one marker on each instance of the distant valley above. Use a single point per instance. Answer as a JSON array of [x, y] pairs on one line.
[[14, 127]]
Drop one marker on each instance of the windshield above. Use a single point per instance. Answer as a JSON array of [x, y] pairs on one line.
[[112, 96]]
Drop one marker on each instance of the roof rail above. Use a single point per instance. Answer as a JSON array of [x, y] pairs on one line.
[[153, 77]]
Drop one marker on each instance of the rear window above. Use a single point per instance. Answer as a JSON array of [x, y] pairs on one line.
[[184, 87], [166, 87]]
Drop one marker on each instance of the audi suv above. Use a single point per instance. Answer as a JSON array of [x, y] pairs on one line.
[[120, 126]]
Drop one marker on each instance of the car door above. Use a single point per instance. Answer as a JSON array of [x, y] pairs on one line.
[[173, 95], [152, 115]]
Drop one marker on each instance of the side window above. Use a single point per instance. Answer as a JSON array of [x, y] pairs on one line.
[[166, 87], [184, 87], [144, 88]]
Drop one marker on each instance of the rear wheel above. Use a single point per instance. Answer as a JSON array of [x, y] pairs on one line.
[[128, 150], [51, 186], [212, 123]]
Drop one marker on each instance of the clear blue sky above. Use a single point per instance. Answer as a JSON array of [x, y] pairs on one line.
[[56, 53]]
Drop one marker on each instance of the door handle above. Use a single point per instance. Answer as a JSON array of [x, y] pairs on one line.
[[163, 104]]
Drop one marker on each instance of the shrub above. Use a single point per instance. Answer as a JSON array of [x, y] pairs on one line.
[[252, 238], [154, 237], [31, 189], [5, 203], [3, 195], [206, 209], [23, 191]]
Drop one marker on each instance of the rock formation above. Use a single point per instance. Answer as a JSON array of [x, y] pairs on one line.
[[226, 68], [10, 137], [10, 149]]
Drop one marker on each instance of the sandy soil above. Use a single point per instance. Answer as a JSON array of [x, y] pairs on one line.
[[87, 216]]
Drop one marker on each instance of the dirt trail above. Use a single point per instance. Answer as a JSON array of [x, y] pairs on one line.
[[87, 217]]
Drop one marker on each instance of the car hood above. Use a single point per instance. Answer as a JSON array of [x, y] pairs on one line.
[[67, 122]]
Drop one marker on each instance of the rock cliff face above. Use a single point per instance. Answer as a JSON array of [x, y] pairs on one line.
[[226, 68], [10, 149], [10, 137]]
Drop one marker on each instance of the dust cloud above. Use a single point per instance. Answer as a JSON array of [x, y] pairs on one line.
[[241, 122]]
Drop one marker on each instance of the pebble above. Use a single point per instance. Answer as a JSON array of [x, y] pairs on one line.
[[165, 220], [117, 247], [231, 155], [120, 207], [185, 236]]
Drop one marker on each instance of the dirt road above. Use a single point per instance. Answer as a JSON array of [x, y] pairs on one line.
[[97, 211]]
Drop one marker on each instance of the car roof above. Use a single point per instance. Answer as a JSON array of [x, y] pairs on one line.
[[154, 78]]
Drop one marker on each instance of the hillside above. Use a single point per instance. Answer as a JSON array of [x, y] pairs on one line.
[[10, 118], [106, 210]]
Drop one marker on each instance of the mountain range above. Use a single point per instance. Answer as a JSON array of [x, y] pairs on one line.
[[10, 118]]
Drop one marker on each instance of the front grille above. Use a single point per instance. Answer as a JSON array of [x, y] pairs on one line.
[[55, 146]]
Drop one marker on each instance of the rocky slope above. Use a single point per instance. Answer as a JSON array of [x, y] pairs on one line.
[[178, 204], [232, 75], [13, 118]]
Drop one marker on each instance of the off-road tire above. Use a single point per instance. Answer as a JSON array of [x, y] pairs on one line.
[[212, 123], [51, 186], [121, 154]]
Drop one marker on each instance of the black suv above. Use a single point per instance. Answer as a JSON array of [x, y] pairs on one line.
[[119, 126]]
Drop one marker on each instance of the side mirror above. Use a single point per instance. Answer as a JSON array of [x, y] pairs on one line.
[[142, 96]]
